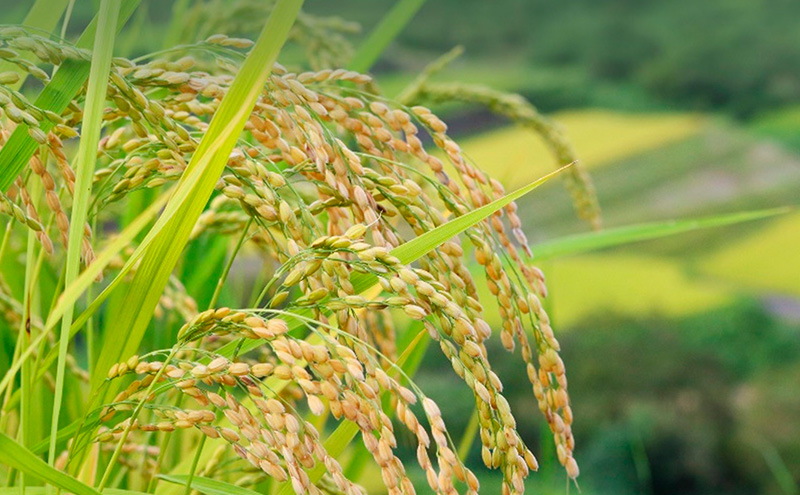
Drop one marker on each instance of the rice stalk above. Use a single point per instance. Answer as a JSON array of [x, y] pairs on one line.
[[77, 244]]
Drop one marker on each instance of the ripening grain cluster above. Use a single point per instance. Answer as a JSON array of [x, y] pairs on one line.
[[326, 189]]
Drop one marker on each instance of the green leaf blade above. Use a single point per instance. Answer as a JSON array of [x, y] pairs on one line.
[[86, 158], [413, 250], [420, 246], [171, 232], [384, 33], [208, 485], [593, 241], [18, 457]]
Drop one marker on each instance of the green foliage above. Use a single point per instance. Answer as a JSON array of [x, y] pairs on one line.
[[680, 391], [738, 55], [782, 125], [698, 54], [16, 456]]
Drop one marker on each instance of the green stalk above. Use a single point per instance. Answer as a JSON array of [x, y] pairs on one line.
[[90, 326], [226, 271], [6, 235], [162, 454], [198, 451], [26, 437], [67, 17], [134, 415], [87, 150]]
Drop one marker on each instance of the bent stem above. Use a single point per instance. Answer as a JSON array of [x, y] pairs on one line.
[[227, 269], [134, 415]]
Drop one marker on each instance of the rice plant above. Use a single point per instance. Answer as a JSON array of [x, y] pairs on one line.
[[220, 272]]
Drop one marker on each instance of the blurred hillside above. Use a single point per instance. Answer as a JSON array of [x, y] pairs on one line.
[[739, 55]]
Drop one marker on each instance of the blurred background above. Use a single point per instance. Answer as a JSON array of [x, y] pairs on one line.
[[683, 353]]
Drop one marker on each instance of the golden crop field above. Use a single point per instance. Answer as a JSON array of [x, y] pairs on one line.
[[517, 156], [626, 284], [767, 260], [586, 286]]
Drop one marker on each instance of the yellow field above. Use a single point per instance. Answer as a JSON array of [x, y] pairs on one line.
[[768, 260], [619, 284], [517, 156], [626, 285]]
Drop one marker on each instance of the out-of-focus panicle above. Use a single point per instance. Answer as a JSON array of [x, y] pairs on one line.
[[522, 112]]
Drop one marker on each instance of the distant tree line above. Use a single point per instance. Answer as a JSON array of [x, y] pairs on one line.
[[739, 55]]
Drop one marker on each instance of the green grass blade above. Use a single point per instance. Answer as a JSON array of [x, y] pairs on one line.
[[55, 97], [387, 30], [18, 457], [413, 250], [86, 158], [641, 232], [44, 14], [64, 433], [422, 245], [781, 473], [26, 410], [171, 232], [87, 277], [207, 485], [40, 490]]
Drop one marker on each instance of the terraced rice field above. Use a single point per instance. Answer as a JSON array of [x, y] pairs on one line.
[[517, 156], [641, 283], [766, 261]]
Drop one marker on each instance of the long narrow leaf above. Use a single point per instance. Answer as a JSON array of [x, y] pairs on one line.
[[171, 232], [18, 457], [41, 490], [422, 245], [387, 30], [117, 244], [207, 485], [55, 97], [635, 233], [86, 158]]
